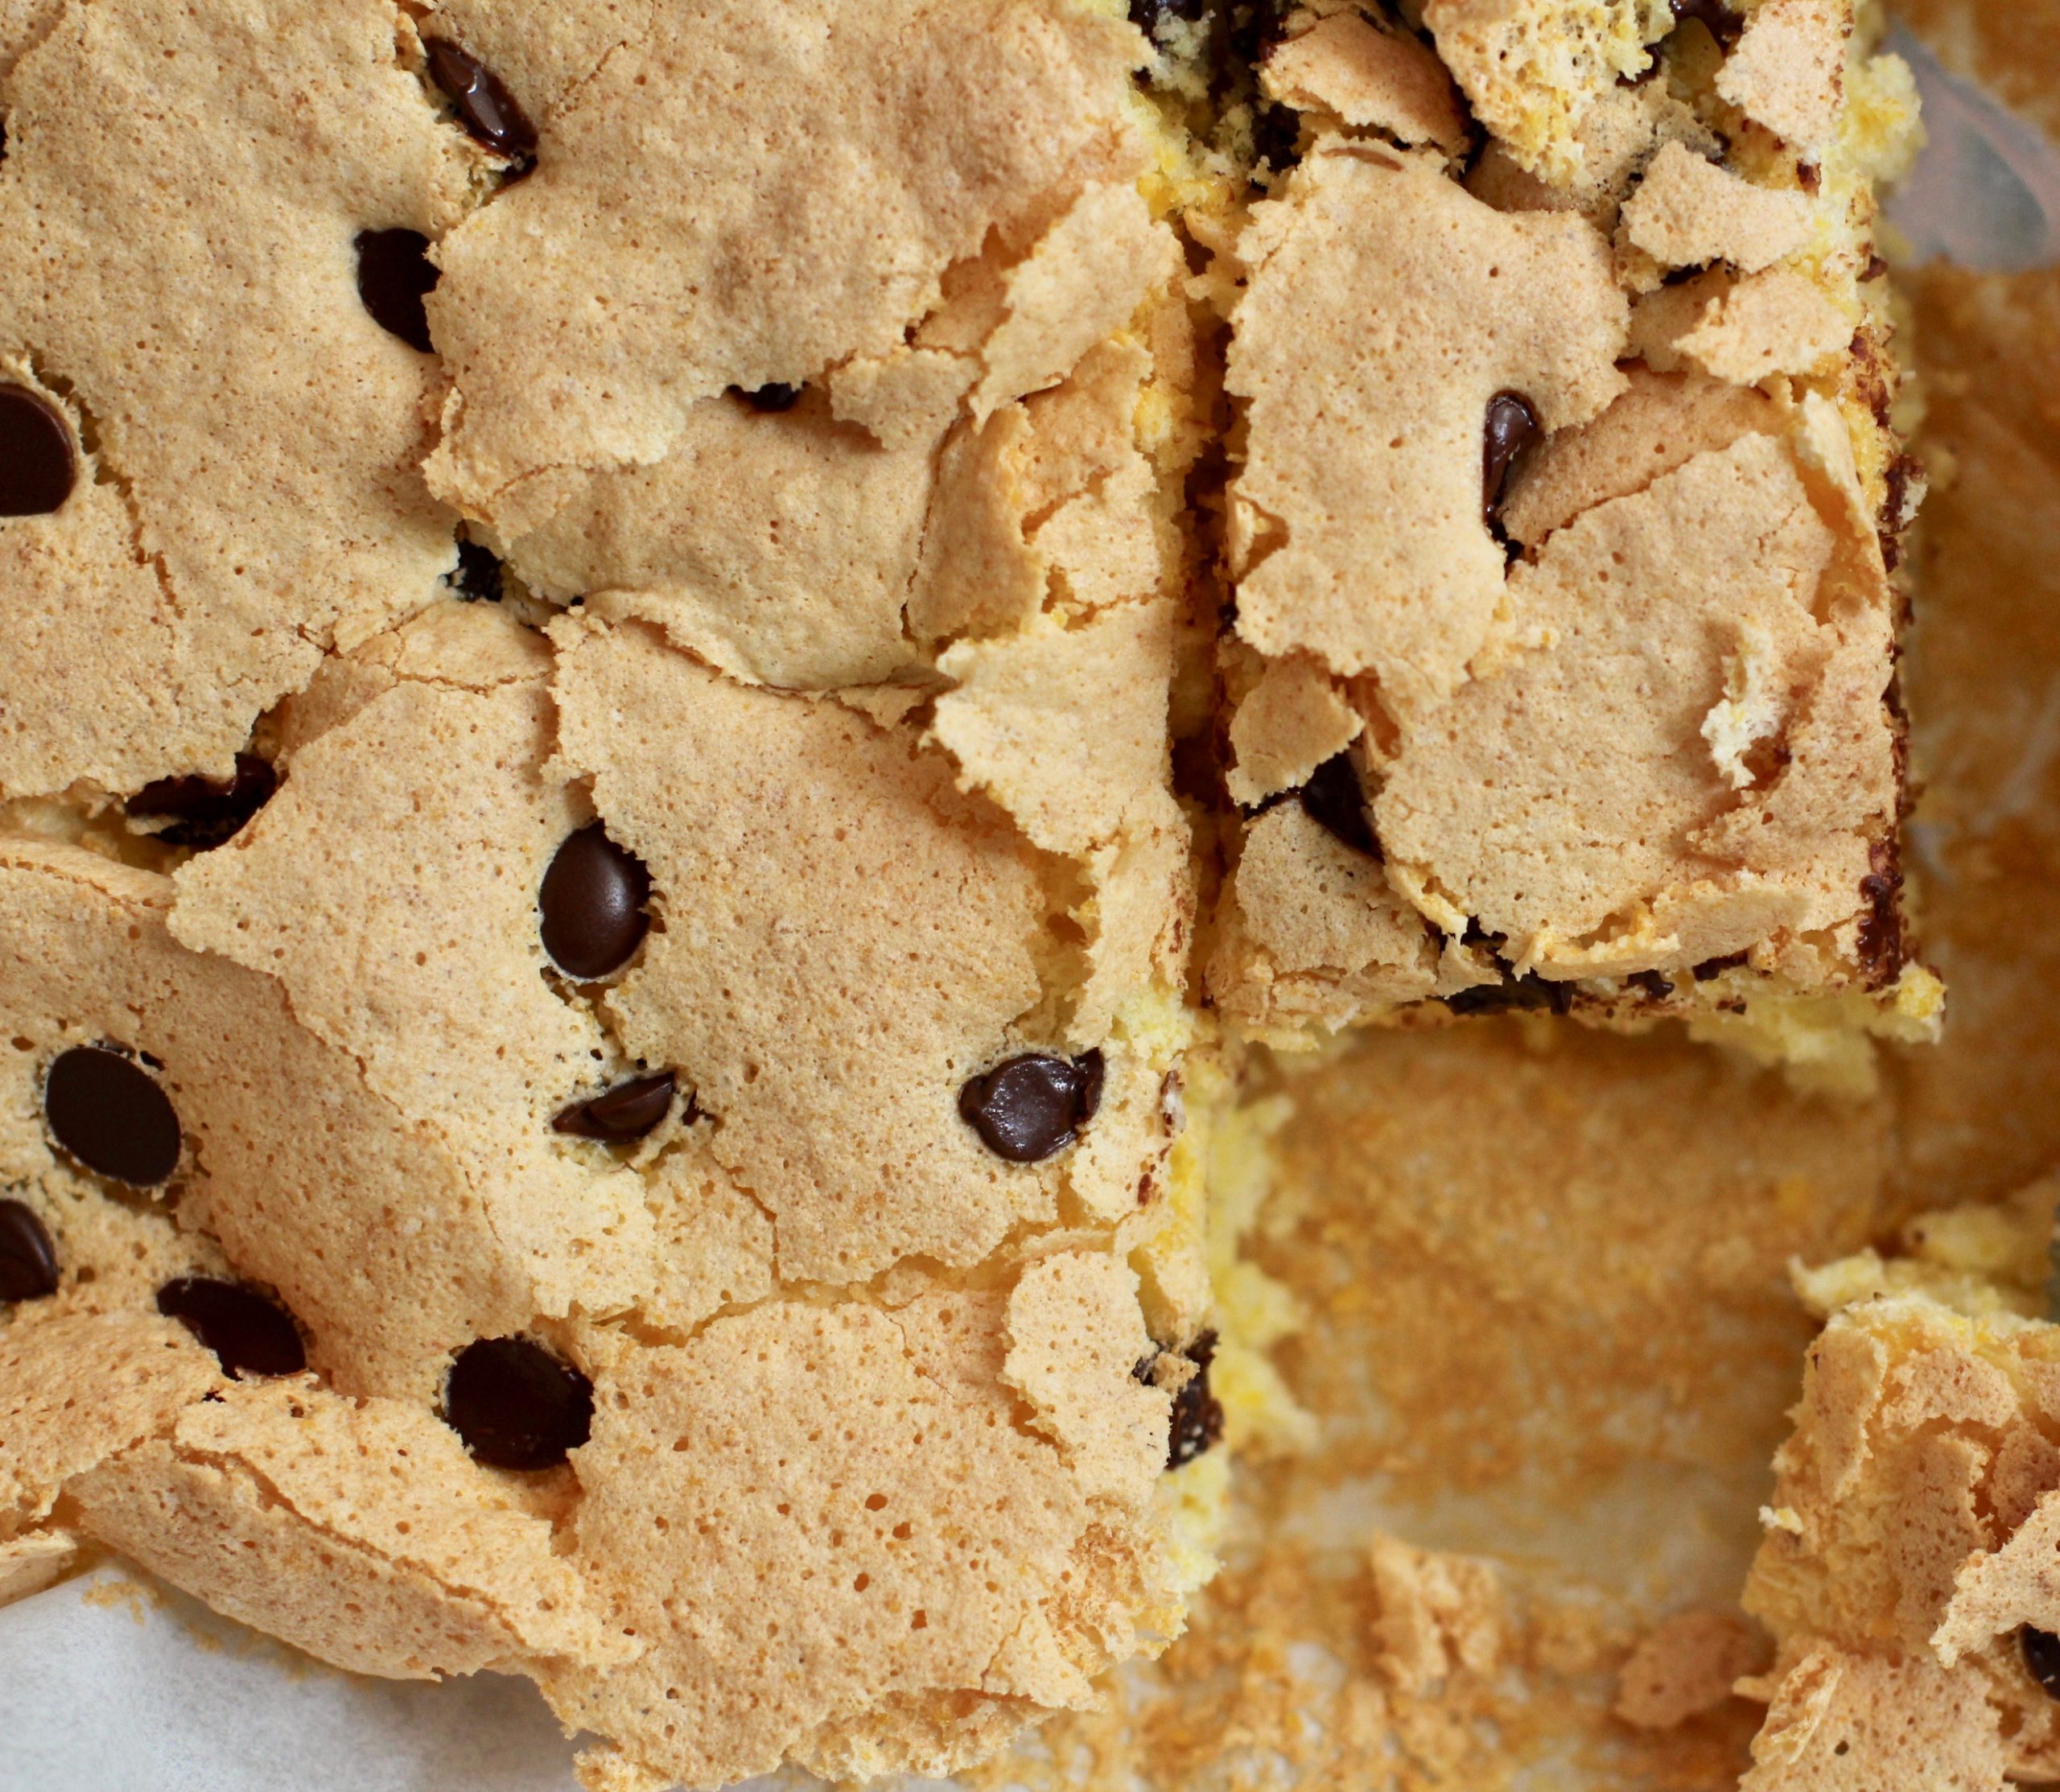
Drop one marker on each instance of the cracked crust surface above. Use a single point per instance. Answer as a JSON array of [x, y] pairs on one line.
[[824, 659]]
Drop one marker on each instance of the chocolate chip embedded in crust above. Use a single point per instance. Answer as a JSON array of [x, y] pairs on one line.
[[516, 1405], [1880, 945], [249, 1334], [106, 1110], [205, 812], [28, 1260], [1718, 19], [485, 108], [771, 398], [1716, 967], [2041, 1650], [1528, 991], [1197, 1414], [38, 465], [1512, 430], [628, 1110], [477, 578], [1027, 1108], [591, 905], [394, 275], [1335, 800]]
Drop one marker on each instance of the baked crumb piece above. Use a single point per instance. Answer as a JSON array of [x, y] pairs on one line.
[[1562, 514], [1906, 1568]]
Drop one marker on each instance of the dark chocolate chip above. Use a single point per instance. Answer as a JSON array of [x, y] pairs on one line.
[[1028, 1107], [108, 1112], [1650, 984], [1336, 801], [38, 465], [1880, 943], [592, 905], [394, 275], [1197, 1414], [485, 108], [477, 580], [1512, 430], [1718, 19], [1716, 967], [2041, 1653], [205, 812], [771, 398], [249, 1334], [1528, 991], [628, 1110], [28, 1260], [1277, 137], [516, 1405]]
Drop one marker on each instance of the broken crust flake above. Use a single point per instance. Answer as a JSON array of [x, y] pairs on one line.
[[358, 1531], [1065, 727], [442, 999], [1843, 1722], [902, 1550], [1314, 935], [862, 115], [1684, 1665], [1385, 308], [1559, 743], [1786, 70], [1083, 282], [1075, 1336], [1995, 1591], [1287, 724], [78, 1388], [1532, 71], [92, 947], [1777, 321], [1368, 78], [1661, 421], [173, 597], [812, 852], [1687, 211]]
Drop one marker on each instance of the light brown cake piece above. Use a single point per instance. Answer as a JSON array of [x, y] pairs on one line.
[[1563, 596], [656, 1098], [1908, 1570]]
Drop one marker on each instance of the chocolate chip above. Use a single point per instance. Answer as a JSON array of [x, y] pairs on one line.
[[1716, 967], [1721, 22], [1197, 1414], [249, 1334], [591, 904], [1512, 429], [108, 1112], [1528, 991], [1881, 942], [1335, 800], [205, 812], [2041, 1653], [628, 1110], [37, 464], [516, 1405], [1650, 984], [28, 1260], [485, 108], [394, 275], [477, 580], [771, 398], [1028, 1107]]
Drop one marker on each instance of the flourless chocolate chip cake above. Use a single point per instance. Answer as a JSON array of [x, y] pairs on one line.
[[689, 689]]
